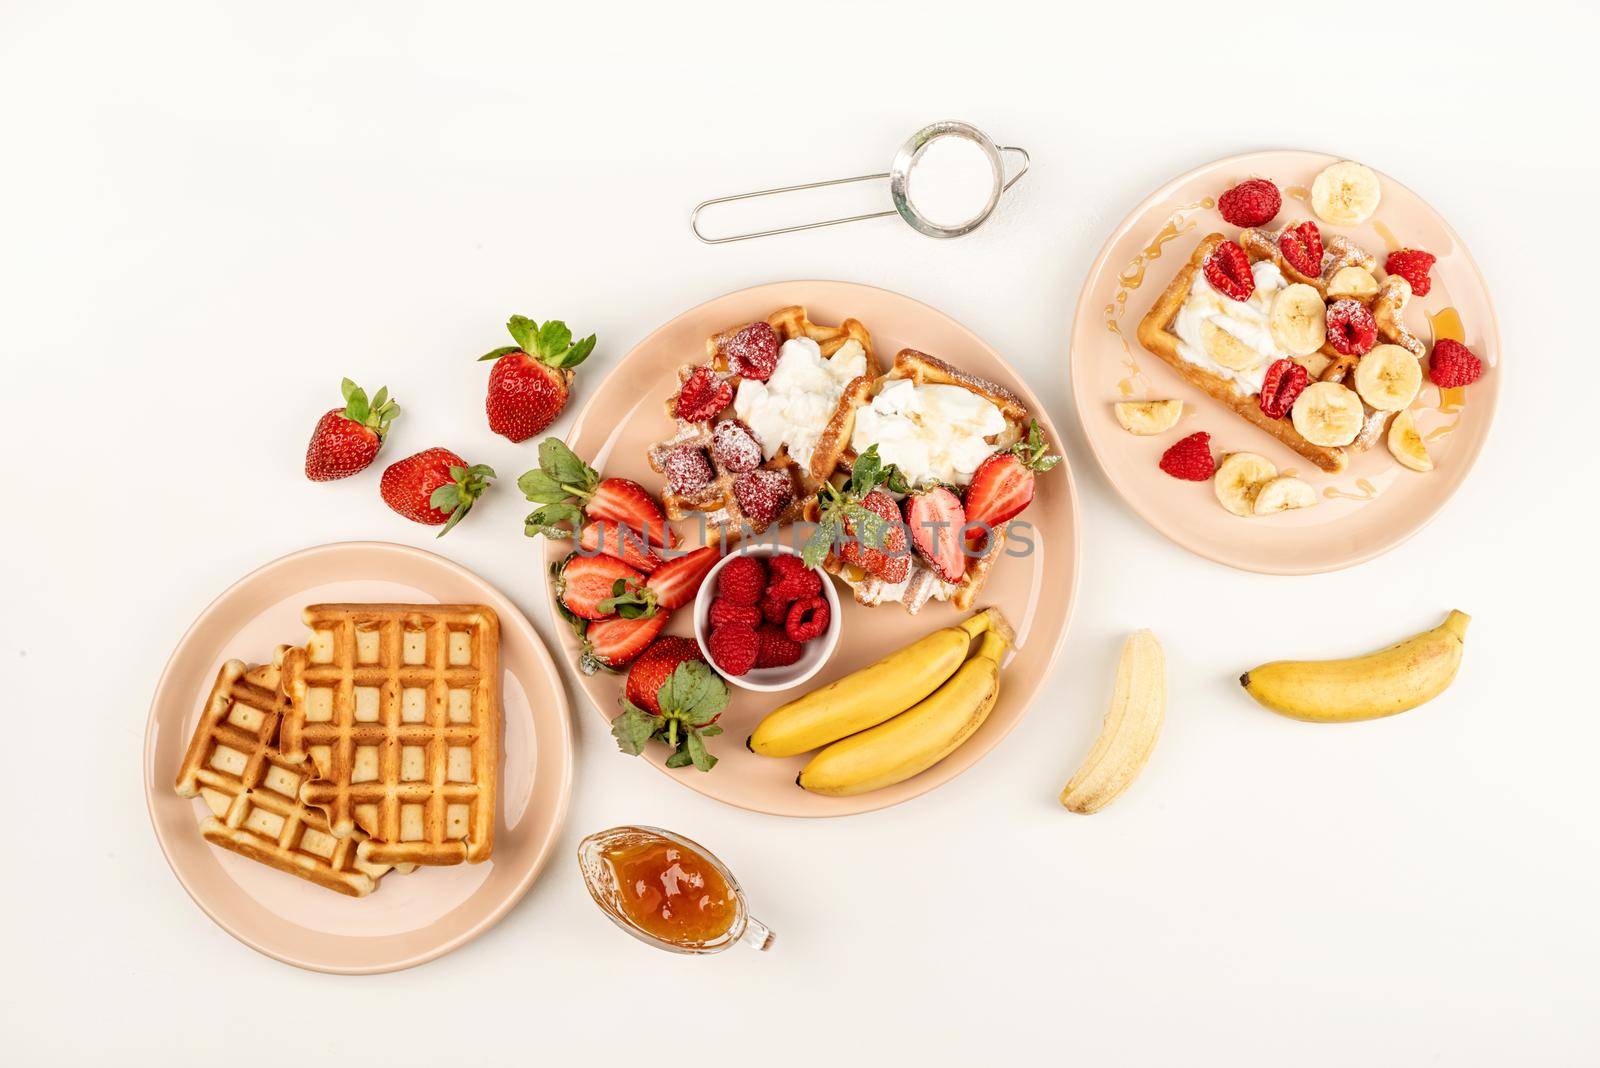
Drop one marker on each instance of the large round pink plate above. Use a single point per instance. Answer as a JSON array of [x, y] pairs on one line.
[[411, 918], [1035, 591], [1362, 512]]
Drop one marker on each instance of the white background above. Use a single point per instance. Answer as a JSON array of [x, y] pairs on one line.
[[210, 212]]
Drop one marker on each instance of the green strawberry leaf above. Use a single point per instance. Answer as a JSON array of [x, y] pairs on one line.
[[870, 528], [446, 498], [633, 728], [525, 332], [1032, 450], [579, 352], [681, 757], [564, 465], [346, 388], [495, 354], [548, 520], [895, 480], [553, 341], [379, 398], [865, 475], [540, 488], [696, 747], [693, 693]]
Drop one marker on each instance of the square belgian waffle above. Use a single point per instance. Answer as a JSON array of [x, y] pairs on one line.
[[234, 765], [921, 584], [398, 708], [731, 491], [1387, 304]]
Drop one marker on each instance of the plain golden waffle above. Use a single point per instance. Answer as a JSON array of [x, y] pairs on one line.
[[398, 708], [717, 501], [234, 765]]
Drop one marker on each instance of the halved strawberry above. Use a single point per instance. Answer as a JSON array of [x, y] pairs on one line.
[[1003, 485], [622, 500], [624, 543], [570, 494], [677, 580], [1302, 248], [936, 517], [585, 583], [614, 643]]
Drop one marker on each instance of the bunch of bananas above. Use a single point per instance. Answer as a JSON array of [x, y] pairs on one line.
[[897, 718]]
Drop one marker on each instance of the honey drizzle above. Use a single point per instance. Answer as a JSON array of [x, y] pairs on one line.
[[1389, 239], [1299, 192], [1132, 277], [1446, 324], [1365, 491]]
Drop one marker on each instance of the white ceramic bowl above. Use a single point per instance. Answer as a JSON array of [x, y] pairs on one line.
[[817, 650]]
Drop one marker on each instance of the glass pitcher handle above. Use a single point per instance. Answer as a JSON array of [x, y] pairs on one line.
[[757, 935]]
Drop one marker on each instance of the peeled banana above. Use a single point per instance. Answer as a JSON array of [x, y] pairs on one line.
[[917, 738], [1391, 680], [874, 694], [1346, 194], [1129, 732]]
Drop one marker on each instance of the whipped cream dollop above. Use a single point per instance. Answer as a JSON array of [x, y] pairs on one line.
[[931, 432], [794, 406], [1246, 320]]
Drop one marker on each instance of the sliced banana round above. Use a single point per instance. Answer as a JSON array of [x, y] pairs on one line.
[[1227, 350], [1345, 194], [1148, 417], [1284, 493], [1388, 378], [1406, 444], [1328, 414], [1352, 283], [1239, 480], [1298, 319]]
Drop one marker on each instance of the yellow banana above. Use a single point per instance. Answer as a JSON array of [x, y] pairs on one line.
[[1364, 687], [917, 738], [874, 694], [1129, 732]]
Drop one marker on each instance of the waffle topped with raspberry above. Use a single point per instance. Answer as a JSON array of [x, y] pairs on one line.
[[715, 465]]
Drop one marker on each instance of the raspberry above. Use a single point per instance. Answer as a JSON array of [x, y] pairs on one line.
[[1302, 247], [792, 584], [775, 610], [742, 580], [777, 648], [702, 396], [735, 446], [688, 469], [807, 619], [734, 647], [1453, 364], [763, 495], [1228, 271], [725, 611], [1190, 459], [784, 564], [1351, 329], [1413, 265], [753, 352], [1285, 379], [1251, 203]]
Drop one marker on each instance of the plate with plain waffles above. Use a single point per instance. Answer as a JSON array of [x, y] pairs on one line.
[[1285, 361], [358, 757], [669, 417]]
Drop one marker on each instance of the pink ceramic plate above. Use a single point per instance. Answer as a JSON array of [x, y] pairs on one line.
[[628, 412], [411, 918], [1370, 507]]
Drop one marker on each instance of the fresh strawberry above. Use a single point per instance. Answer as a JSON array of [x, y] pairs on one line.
[[723, 611], [1283, 382], [1302, 248], [735, 446], [570, 493], [1352, 330], [734, 648], [676, 582], [1003, 485], [777, 648], [1413, 265], [612, 539], [807, 619], [742, 580], [878, 548], [347, 439], [753, 351], [622, 500], [434, 486], [1453, 365], [529, 383], [687, 702], [655, 666], [614, 643], [703, 396], [1250, 203], [688, 469], [1190, 459], [588, 586], [763, 496], [935, 517], [1228, 271]]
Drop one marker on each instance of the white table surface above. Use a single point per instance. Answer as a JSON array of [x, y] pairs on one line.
[[211, 212]]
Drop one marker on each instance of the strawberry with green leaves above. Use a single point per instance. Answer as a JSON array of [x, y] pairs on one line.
[[862, 520], [690, 700], [1003, 484], [530, 380], [570, 494], [435, 487], [346, 440]]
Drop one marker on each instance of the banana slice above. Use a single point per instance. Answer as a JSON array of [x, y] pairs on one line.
[[1315, 364], [1282, 494], [1388, 378], [1239, 480], [1148, 417], [1228, 350], [1328, 414], [1352, 283], [1345, 194], [1298, 319], [1407, 445]]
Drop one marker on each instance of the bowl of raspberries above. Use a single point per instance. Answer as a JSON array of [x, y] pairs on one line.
[[765, 620]]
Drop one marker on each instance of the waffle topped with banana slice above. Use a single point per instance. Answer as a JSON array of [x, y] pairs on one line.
[[763, 421]]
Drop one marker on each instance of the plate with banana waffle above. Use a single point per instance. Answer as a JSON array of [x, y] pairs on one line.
[[900, 458], [1285, 361], [358, 758]]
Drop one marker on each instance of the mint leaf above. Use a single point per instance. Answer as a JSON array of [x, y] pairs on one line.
[[866, 473], [815, 550], [633, 728], [525, 332]]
